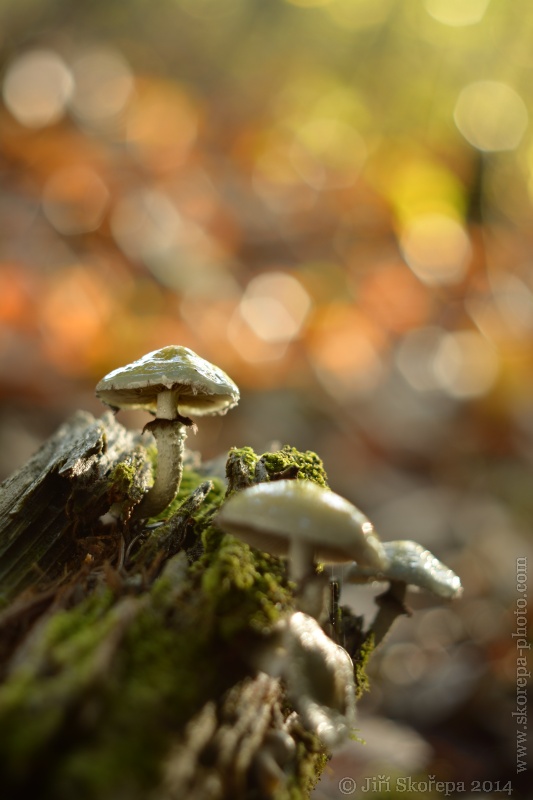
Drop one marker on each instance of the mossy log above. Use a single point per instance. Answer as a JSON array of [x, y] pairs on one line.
[[126, 647]]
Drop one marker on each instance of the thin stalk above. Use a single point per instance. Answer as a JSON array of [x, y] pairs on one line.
[[167, 405], [170, 436], [300, 560], [391, 605]]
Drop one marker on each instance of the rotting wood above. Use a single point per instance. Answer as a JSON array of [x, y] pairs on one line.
[[58, 496], [125, 647]]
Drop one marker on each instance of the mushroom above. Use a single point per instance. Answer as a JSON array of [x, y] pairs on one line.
[[318, 675], [409, 563], [320, 680], [169, 383], [304, 520]]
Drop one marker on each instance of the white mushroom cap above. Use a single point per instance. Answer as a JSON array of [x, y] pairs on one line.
[[270, 515], [200, 387], [320, 680], [412, 564]]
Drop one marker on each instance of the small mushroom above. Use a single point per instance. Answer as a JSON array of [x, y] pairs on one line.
[[409, 563], [320, 680], [304, 520], [169, 383]]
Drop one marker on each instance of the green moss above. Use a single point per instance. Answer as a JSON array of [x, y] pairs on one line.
[[244, 467], [245, 589], [311, 760], [151, 454], [309, 466], [122, 476], [361, 658], [240, 468], [35, 701], [125, 484], [189, 482], [162, 674], [244, 454]]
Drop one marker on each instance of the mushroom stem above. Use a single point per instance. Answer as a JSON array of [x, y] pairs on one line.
[[167, 405], [170, 437], [391, 605], [300, 560]]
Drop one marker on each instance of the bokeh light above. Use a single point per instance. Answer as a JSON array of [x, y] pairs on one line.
[[145, 224], [275, 306], [437, 248], [74, 314], [328, 153], [415, 357], [404, 663], [491, 115], [457, 13], [36, 88], [392, 296], [103, 85], [465, 365], [162, 124], [344, 347], [75, 200]]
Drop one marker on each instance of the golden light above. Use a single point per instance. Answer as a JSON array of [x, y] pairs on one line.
[[437, 248], [103, 85], [415, 357], [328, 153], [465, 364], [145, 224], [506, 315], [249, 346], [344, 350], [180, 253], [36, 88], [75, 200], [457, 13], [162, 124], [417, 183], [276, 180], [514, 301], [74, 312], [491, 115], [275, 306], [391, 295], [16, 297]]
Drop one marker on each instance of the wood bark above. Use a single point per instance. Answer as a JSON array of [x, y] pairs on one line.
[[125, 647]]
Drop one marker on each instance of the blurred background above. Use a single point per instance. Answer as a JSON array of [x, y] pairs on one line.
[[331, 200]]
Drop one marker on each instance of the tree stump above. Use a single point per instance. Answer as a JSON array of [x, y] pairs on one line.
[[127, 648]]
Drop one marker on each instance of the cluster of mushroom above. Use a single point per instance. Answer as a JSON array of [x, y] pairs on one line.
[[309, 524], [297, 518]]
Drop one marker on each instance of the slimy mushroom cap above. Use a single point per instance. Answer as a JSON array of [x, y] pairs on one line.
[[269, 515], [200, 387], [410, 563], [320, 680]]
